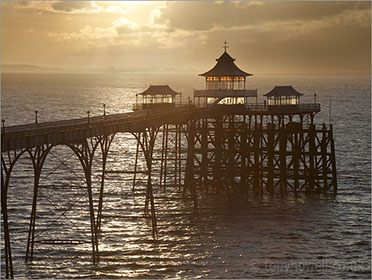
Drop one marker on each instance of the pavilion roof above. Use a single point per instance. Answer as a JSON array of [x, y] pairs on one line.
[[283, 91], [225, 66], [159, 90]]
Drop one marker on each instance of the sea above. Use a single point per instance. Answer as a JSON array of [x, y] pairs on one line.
[[317, 236]]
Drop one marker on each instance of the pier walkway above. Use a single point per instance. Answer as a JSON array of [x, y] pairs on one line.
[[70, 131]]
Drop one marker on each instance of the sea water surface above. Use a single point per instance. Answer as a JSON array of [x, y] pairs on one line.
[[291, 237]]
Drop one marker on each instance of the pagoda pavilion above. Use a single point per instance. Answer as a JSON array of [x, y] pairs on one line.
[[283, 95], [157, 96], [225, 84]]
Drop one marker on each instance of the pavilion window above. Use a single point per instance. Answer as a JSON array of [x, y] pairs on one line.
[[211, 100], [212, 83], [226, 100], [239, 83], [240, 100]]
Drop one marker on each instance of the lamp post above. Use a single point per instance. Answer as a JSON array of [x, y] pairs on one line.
[[104, 109], [180, 98], [136, 98], [36, 116], [314, 98], [88, 112]]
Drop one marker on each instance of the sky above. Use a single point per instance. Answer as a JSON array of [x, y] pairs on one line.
[[263, 36]]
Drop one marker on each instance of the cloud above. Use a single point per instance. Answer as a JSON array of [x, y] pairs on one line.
[[260, 34], [70, 6], [57, 6], [87, 34], [114, 9], [206, 15], [76, 7]]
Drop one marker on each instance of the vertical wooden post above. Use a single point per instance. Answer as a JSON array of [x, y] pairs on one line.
[[312, 158], [135, 165], [179, 156], [166, 155], [296, 158], [270, 156], [230, 168], [283, 159], [243, 157], [333, 160], [162, 157], [175, 154], [204, 154], [324, 158], [256, 154], [189, 174], [218, 153]]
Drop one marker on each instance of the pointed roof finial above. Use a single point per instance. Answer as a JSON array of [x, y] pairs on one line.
[[225, 46]]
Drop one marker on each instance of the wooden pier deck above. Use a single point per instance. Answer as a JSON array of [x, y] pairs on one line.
[[74, 130]]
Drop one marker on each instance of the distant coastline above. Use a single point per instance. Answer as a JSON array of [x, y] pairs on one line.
[[29, 68]]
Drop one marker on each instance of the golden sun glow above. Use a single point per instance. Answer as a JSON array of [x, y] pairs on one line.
[[148, 34]]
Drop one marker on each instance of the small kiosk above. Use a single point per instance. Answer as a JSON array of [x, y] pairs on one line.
[[156, 96], [283, 95]]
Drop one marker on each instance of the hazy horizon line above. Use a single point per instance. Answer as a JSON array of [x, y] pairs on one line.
[[33, 68]]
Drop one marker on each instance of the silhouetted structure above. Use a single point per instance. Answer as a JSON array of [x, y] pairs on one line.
[[225, 84], [223, 146], [240, 147], [283, 95], [157, 96]]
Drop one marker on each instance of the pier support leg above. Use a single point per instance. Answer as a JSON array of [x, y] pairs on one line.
[[256, 169], [333, 160], [179, 131], [230, 168], [175, 154], [165, 156], [38, 157], [147, 145], [135, 167], [162, 157], [270, 157], [105, 143], [283, 160], [243, 159], [323, 147], [6, 171], [189, 174], [296, 159], [204, 155], [312, 159], [85, 152], [218, 155]]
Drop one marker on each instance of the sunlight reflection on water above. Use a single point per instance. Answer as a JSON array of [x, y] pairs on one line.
[[228, 239]]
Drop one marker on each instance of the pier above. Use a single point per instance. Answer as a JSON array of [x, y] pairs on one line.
[[223, 145]]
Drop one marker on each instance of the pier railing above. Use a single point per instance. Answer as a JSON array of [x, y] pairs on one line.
[[290, 108], [68, 130], [256, 108]]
